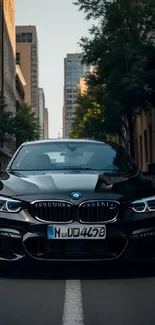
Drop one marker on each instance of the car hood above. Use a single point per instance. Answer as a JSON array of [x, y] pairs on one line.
[[61, 185]]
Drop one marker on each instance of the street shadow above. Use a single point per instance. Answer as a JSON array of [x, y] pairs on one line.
[[83, 271]]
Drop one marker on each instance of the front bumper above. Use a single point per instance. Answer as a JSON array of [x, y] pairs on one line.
[[23, 236]]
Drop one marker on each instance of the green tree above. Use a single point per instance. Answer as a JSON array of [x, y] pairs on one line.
[[88, 119], [6, 125], [93, 115], [121, 45], [25, 125]]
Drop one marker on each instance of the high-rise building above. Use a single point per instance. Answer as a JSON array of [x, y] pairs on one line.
[[73, 71], [41, 111], [7, 49], [27, 58], [46, 133], [7, 71]]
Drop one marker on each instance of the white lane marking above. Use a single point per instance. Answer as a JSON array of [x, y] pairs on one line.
[[73, 310]]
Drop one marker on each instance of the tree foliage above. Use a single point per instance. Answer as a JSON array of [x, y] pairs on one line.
[[23, 125], [88, 119], [122, 48], [92, 8], [6, 119]]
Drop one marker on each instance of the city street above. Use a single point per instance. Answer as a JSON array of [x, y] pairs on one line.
[[77, 162], [70, 296]]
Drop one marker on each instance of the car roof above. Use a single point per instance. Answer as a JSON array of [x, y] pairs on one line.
[[71, 140]]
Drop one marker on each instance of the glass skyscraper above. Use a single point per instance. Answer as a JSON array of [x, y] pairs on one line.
[[73, 71]]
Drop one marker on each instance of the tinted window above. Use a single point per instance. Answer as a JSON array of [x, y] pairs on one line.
[[70, 155]]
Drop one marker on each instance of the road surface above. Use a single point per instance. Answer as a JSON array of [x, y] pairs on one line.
[[77, 296]]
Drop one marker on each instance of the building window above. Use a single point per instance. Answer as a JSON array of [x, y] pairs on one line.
[[69, 90], [34, 78], [69, 107], [74, 75], [68, 81], [69, 102], [34, 59], [18, 38], [29, 37], [69, 96], [33, 49], [26, 37], [146, 146], [69, 114], [68, 68], [17, 58], [75, 82]]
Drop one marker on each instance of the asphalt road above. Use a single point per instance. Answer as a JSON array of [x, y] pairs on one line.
[[77, 295]]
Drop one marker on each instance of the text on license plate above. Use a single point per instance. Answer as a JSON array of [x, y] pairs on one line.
[[76, 232]]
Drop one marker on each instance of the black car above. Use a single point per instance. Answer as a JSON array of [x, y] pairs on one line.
[[75, 200]]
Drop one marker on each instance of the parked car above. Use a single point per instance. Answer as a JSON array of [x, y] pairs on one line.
[[75, 200]]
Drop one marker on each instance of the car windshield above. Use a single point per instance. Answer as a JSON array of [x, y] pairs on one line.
[[72, 156]]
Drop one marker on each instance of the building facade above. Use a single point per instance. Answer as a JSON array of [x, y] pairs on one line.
[[1, 44], [8, 53], [46, 132], [41, 111], [145, 139], [73, 71], [7, 71], [27, 58]]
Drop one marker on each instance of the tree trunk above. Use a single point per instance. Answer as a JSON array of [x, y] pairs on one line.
[[130, 131], [132, 144], [121, 135]]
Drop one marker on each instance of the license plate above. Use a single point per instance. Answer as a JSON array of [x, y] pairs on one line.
[[76, 232]]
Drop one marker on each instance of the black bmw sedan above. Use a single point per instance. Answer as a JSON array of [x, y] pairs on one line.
[[75, 200]]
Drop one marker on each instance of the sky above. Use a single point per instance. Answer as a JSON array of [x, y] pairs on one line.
[[59, 28]]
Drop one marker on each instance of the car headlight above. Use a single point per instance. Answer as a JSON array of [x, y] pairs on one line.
[[10, 205], [143, 205]]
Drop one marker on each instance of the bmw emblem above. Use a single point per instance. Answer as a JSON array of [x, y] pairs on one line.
[[76, 196]]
